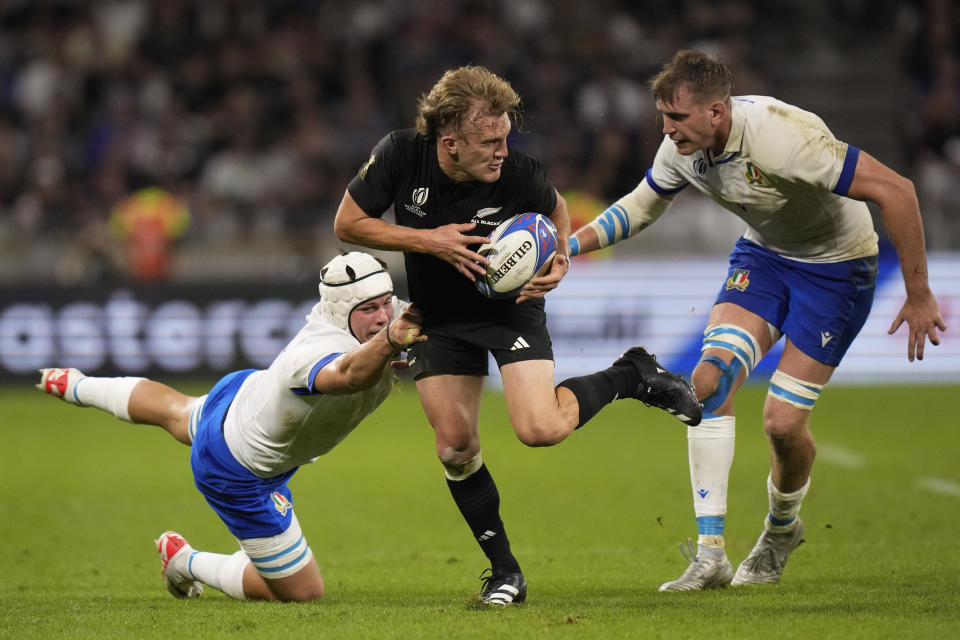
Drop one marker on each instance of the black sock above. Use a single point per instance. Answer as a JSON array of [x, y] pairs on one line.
[[479, 502], [597, 390]]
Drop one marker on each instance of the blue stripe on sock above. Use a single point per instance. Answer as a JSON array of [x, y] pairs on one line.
[[711, 525], [780, 523], [190, 564]]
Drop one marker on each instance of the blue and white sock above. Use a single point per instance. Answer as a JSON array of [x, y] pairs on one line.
[[710, 447], [109, 394], [784, 507], [220, 571]]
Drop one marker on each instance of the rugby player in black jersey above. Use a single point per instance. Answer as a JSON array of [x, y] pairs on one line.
[[450, 181]]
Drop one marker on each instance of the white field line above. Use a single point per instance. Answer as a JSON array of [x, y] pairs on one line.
[[840, 456], [939, 485]]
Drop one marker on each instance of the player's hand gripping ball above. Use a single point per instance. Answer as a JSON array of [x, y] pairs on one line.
[[519, 249]]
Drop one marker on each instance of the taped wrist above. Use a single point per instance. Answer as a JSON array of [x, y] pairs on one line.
[[628, 215]]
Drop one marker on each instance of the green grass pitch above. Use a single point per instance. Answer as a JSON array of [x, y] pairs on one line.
[[595, 523]]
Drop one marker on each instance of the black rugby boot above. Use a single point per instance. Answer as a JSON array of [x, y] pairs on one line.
[[503, 588], [660, 388]]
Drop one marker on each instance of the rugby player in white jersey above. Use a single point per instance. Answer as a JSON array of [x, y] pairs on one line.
[[255, 428], [805, 268]]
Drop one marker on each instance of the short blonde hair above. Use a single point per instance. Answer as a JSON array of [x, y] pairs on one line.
[[705, 77], [444, 109]]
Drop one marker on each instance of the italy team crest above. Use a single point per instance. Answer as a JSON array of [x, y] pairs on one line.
[[280, 503], [740, 280], [754, 177]]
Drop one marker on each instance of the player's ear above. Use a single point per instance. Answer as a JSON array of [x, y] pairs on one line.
[[449, 144], [718, 110]]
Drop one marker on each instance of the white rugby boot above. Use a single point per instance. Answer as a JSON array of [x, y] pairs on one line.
[[706, 571], [174, 565], [61, 383], [765, 563]]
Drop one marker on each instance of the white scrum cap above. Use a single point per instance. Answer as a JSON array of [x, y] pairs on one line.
[[348, 281]]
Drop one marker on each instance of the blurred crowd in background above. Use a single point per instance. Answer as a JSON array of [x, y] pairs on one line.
[[158, 139]]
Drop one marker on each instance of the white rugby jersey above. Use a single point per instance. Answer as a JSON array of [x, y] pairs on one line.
[[785, 174], [278, 422]]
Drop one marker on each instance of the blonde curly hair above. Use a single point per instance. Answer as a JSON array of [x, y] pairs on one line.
[[444, 110]]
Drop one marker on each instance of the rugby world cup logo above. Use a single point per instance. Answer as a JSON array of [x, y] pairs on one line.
[[420, 195]]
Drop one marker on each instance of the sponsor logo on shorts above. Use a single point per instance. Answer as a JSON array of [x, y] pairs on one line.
[[740, 280], [825, 337], [519, 343], [280, 503]]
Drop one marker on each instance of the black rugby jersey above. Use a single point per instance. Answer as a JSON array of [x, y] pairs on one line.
[[403, 171]]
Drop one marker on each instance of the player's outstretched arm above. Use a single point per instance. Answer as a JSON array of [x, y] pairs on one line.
[[897, 199], [361, 368], [626, 217], [449, 243]]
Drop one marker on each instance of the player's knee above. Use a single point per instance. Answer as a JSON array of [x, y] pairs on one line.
[[778, 425], [787, 411], [705, 379], [541, 433], [537, 427], [718, 375], [713, 379], [456, 456], [310, 592]]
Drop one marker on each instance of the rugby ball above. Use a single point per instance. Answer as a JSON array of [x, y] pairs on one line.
[[519, 249]]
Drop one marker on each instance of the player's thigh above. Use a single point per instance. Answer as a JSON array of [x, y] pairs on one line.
[[269, 534], [732, 313], [532, 401], [452, 406], [155, 403], [794, 388]]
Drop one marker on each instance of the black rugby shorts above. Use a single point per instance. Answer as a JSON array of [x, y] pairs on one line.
[[460, 347]]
